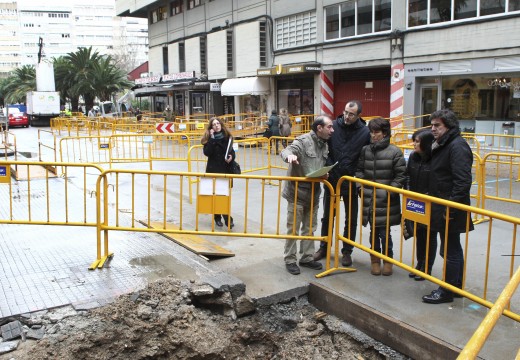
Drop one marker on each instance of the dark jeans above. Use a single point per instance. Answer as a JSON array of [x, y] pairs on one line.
[[379, 241], [350, 217], [421, 233], [454, 259]]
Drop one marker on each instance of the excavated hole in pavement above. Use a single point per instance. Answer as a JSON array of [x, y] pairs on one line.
[[172, 319]]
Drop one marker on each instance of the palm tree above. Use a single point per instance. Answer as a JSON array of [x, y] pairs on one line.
[[64, 79], [16, 86]]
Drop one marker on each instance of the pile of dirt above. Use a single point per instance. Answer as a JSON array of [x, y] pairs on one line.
[[170, 319]]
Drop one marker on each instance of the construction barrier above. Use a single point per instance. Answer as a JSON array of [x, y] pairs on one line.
[[501, 238], [44, 199], [258, 217]]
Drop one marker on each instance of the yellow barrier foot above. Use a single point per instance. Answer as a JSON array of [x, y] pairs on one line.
[[332, 270], [98, 264]]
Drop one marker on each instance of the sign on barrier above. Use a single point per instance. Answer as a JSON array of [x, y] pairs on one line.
[[165, 127], [5, 174]]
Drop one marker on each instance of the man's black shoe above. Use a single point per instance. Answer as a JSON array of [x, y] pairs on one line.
[[292, 268], [312, 265], [438, 296], [218, 223]]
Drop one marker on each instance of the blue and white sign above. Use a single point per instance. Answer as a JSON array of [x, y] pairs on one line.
[[416, 206], [3, 171]]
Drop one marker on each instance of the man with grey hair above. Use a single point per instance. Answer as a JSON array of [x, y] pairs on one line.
[[450, 170], [306, 154]]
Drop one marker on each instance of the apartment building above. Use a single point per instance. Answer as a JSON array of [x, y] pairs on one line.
[[311, 56], [66, 26]]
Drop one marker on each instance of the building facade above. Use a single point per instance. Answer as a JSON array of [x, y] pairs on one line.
[[397, 57], [66, 26]]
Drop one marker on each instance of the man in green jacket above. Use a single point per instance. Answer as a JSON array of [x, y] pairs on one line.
[[306, 154]]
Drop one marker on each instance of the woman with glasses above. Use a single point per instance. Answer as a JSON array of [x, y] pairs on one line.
[[215, 140]]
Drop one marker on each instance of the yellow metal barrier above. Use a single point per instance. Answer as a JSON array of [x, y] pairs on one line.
[[501, 170], [43, 199], [505, 237], [258, 212], [85, 149], [480, 336], [249, 154]]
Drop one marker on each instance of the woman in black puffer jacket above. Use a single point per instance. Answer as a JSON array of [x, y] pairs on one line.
[[418, 180], [383, 163]]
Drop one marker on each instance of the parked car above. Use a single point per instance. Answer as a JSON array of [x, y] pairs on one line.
[[17, 118]]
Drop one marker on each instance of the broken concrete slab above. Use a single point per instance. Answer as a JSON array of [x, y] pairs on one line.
[[12, 330]]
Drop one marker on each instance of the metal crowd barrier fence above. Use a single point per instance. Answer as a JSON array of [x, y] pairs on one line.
[[498, 237], [125, 148], [249, 153], [477, 341], [9, 143], [500, 172], [44, 199], [257, 210]]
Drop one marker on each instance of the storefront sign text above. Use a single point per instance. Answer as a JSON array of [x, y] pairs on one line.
[[214, 87], [147, 80], [288, 69], [422, 69], [179, 76]]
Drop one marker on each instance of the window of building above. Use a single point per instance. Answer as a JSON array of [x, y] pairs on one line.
[[165, 60], [182, 57], [439, 11], [176, 7], [296, 30], [193, 4], [229, 46], [263, 44], [359, 17], [158, 14], [203, 62]]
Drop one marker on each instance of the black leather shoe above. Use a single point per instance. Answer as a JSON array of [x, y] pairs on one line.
[[346, 260], [438, 296], [218, 223], [230, 226]]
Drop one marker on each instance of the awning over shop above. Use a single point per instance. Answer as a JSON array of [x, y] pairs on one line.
[[245, 86]]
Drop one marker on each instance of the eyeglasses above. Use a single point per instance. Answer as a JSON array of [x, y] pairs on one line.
[[349, 114]]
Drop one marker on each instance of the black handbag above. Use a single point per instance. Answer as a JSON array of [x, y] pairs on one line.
[[268, 133], [234, 168]]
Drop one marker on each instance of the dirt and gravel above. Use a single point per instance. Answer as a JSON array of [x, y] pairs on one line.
[[170, 319]]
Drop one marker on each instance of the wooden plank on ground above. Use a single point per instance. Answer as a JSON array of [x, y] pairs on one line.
[[191, 242]]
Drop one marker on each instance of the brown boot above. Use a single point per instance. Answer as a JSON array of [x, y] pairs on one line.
[[387, 268], [375, 268]]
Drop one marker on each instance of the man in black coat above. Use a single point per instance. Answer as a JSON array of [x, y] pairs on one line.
[[349, 137], [451, 164]]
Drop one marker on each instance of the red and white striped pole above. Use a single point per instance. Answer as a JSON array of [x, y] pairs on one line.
[[327, 95], [396, 95]]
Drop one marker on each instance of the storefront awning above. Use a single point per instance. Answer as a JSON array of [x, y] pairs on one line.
[[245, 86]]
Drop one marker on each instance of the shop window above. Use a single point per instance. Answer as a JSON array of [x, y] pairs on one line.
[[253, 104]]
